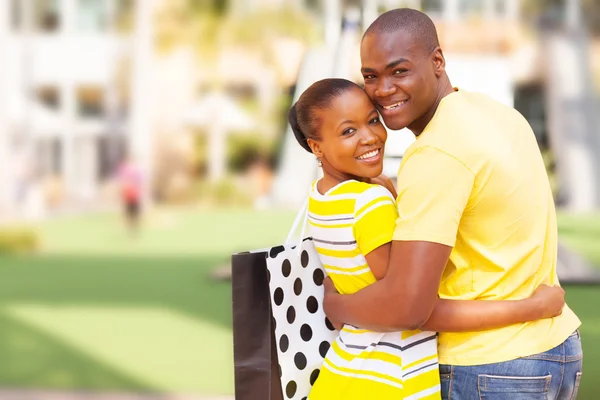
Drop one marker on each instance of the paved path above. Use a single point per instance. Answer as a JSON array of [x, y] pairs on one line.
[[55, 395]]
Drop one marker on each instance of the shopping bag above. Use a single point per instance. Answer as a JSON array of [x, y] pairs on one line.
[[280, 332], [256, 369], [302, 331]]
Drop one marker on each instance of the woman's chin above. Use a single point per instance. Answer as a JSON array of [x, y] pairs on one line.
[[373, 173]]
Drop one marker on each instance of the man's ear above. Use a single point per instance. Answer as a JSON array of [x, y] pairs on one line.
[[315, 146], [439, 62]]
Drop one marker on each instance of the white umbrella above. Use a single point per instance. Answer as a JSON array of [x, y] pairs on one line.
[[218, 107], [219, 114]]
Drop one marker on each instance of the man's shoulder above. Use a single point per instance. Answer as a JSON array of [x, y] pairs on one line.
[[464, 128], [479, 109], [428, 156]]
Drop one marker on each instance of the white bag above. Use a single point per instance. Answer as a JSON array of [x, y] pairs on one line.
[[302, 331]]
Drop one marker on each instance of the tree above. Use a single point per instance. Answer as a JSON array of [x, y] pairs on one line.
[[534, 9]]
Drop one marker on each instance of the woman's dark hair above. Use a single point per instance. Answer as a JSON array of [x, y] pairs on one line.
[[302, 118]]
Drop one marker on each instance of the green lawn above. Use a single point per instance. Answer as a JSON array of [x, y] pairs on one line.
[[582, 233], [99, 310]]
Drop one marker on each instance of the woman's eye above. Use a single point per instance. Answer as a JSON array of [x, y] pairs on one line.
[[348, 131], [374, 121]]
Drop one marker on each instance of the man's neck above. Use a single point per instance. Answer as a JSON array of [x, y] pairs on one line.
[[444, 89]]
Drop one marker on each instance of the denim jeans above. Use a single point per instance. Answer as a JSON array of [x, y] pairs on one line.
[[552, 375]]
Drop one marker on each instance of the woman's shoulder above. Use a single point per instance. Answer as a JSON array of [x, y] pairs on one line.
[[374, 191], [359, 189], [361, 192], [372, 198]]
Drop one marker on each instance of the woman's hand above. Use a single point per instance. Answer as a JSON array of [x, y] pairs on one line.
[[549, 300], [330, 290]]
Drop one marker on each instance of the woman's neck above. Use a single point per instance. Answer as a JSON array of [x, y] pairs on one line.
[[331, 180]]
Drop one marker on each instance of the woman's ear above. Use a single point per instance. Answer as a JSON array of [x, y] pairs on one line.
[[315, 146]]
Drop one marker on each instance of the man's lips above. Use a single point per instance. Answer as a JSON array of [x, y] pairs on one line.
[[393, 106]]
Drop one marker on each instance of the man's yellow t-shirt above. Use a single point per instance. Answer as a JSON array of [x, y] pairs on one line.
[[475, 180]]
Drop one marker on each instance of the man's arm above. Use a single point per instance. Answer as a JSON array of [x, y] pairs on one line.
[[403, 299], [468, 315], [433, 194]]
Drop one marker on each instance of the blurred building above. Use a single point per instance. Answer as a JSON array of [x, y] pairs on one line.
[[78, 91], [67, 114]]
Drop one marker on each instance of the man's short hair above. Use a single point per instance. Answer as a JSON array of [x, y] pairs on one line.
[[413, 22]]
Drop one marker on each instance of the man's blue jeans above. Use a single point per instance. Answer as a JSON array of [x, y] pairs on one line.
[[552, 375]]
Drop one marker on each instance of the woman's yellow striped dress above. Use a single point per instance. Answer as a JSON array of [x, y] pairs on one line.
[[347, 223]]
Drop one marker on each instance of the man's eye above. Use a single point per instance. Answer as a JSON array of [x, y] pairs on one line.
[[368, 77], [399, 71]]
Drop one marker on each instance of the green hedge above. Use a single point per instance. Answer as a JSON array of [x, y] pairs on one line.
[[18, 240]]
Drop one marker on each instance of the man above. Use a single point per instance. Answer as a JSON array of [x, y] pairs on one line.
[[477, 221]]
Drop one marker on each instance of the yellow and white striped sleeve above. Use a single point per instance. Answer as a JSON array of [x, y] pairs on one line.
[[375, 217]]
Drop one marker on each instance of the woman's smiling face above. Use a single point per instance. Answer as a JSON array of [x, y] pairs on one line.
[[352, 137]]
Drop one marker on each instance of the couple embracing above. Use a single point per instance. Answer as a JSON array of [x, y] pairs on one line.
[[444, 286]]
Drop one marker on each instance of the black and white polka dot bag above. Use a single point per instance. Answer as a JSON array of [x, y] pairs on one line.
[[302, 332]]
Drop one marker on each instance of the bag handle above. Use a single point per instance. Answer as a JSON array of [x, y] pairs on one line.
[[301, 218]]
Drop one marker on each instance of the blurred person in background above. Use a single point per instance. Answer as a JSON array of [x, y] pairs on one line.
[[130, 181], [477, 221]]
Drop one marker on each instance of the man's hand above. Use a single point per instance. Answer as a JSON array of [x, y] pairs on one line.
[[549, 300], [330, 290], [386, 183]]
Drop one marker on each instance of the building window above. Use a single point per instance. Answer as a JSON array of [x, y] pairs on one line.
[[124, 16], [46, 15], [432, 6], [49, 151], [92, 16], [530, 100], [90, 102], [48, 96], [500, 8], [16, 15], [111, 151], [470, 7]]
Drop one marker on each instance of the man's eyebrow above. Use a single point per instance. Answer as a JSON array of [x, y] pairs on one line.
[[395, 63], [390, 65]]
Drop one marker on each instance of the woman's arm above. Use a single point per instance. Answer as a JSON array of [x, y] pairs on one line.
[[479, 315], [476, 315]]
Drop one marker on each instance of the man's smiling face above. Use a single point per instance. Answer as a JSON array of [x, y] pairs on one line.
[[400, 77]]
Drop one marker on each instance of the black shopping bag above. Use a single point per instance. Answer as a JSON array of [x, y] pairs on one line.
[[256, 368], [280, 331]]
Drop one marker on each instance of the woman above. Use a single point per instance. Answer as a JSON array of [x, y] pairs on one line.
[[352, 216]]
